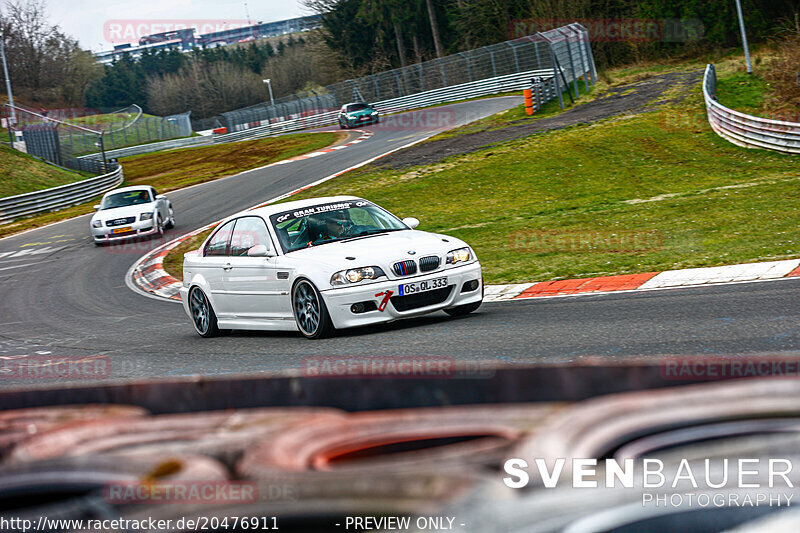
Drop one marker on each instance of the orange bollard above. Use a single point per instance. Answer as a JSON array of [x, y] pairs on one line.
[[528, 95]]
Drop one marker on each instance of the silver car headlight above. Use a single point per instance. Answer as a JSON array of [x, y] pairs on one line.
[[354, 275], [146, 216], [461, 255], [97, 224]]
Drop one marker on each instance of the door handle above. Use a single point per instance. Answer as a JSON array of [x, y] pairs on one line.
[[227, 267]]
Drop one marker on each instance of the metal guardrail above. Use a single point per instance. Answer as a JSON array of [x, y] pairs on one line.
[[746, 130], [511, 82], [31, 203], [153, 147]]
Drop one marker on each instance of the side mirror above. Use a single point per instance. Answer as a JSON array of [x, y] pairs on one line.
[[96, 207], [160, 197], [260, 250], [411, 222]]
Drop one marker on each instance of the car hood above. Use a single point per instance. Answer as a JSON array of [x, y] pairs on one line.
[[123, 212], [380, 250], [360, 112]]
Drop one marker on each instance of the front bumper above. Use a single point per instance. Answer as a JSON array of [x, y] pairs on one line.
[[362, 120], [139, 228], [339, 300]]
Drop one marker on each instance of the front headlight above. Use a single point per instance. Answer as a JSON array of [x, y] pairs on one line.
[[462, 255], [97, 224], [354, 275], [146, 216]]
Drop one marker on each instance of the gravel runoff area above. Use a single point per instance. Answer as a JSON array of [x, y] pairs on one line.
[[632, 98]]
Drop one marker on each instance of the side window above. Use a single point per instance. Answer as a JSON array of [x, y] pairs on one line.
[[249, 232], [218, 245]]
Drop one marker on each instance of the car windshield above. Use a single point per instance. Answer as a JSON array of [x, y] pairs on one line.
[[355, 107], [324, 223], [123, 199]]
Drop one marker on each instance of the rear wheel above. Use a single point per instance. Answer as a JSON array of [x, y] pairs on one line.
[[462, 310], [310, 313], [171, 220], [159, 227], [203, 316]]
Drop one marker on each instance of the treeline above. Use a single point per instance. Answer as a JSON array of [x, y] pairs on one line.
[[372, 35], [46, 66], [208, 81]]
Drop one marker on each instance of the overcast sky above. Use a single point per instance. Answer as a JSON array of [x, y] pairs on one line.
[[96, 23]]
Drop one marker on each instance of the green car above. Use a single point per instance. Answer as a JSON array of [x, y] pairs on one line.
[[357, 114]]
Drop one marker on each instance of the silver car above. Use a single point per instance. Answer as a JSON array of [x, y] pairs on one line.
[[131, 212]]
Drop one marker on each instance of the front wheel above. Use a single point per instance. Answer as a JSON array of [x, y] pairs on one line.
[[462, 310], [203, 316], [310, 313]]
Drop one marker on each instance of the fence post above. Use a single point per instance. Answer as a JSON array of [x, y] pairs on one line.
[[494, 66], [584, 62], [555, 71], [469, 69], [514, 51], [588, 46], [444, 71], [421, 77], [399, 84], [571, 62]]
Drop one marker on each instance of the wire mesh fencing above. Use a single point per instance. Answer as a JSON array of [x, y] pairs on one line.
[[79, 142], [564, 50]]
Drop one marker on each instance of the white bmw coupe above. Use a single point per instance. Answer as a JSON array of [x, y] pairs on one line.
[[316, 265]]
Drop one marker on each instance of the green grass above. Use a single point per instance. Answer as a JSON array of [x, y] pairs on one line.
[[180, 168], [23, 173], [175, 169], [708, 202], [742, 91]]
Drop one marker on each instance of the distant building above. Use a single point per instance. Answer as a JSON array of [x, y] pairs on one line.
[[185, 39]]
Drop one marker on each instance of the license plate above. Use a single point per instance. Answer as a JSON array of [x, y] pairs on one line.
[[122, 230], [422, 286]]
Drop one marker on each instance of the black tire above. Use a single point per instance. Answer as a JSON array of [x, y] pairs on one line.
[[159, 228], [171, 220], [204, 319], [310, 313], [462, 310]]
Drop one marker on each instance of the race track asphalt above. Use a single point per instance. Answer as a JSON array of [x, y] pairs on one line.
[[65, 297]]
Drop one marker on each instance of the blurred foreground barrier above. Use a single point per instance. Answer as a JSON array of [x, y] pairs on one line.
[[597, 427], [222, 435], [18, 425], [398, 440]]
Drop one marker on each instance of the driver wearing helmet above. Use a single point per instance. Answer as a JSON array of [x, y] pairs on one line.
[[336, 223]]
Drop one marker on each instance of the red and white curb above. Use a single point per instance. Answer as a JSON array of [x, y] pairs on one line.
[[669, 279]]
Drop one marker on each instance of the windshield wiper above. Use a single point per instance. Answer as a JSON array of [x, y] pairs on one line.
[[368, 233]]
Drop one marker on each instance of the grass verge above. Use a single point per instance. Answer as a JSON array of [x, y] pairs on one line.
[[24, 173], [648, 192], [175, 169]]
